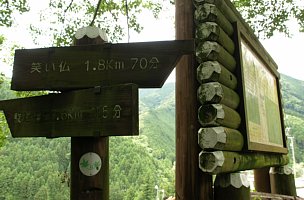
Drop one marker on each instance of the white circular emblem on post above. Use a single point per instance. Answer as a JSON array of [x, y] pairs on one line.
[[90, 164]]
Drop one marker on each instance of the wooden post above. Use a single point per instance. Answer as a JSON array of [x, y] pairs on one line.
[[220, 138], [279, 175], [191, 182], [213, 71], [231, 186], [89, 156], [217, 162], [214, 92], [218, 115], [210, 31], [262, 180], [210, 13], [215, 52]]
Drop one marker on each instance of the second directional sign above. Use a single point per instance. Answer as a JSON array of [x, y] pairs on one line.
[[147, 64], [101, 111]]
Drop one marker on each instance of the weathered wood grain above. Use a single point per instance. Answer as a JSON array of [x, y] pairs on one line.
[[213, 71], [210, 31], [191, 182], [220, 138], [147, 64], [212, 51], [214, 92], [83, 186], [231, 186], [103, 111], [218, 115], [217, 162], [210, 13], [222, 6]]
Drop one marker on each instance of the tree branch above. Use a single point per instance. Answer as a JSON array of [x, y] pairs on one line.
[[69, 6], [95, 13]]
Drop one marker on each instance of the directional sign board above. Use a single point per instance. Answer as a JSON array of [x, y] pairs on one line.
[[102, 111], [147, 64]]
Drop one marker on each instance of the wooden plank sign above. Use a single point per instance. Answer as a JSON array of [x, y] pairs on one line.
[[100, 111], [147, 64]]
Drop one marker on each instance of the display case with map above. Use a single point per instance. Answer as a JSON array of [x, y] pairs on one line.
[[262, 108]]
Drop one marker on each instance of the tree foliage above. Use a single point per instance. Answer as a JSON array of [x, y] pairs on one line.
[[269, 16], [114, 16], [8, 8]]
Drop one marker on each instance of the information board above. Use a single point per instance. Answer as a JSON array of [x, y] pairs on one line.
[[262, 103]]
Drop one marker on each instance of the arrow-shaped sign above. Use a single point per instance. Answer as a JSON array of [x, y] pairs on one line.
[[103, 111], [147, 64]]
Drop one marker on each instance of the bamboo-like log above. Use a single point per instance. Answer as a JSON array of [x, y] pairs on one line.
[[220, 138], [214, 92], [217, 162], [231, 186], [218, 115], [279, 175], [210, 31], [212, 51], [210, 13], [213, 71]]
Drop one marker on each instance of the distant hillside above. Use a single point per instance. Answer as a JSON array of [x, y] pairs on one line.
[[293, 100], [293, 95], [137, 163]]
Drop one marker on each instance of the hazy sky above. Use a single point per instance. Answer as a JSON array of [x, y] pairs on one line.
[[285, 51]]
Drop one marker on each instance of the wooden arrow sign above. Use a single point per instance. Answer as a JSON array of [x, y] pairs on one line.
[[147, 64], [103, 111]]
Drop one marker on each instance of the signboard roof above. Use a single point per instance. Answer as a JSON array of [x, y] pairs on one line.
[[103, 111], [147, 64]]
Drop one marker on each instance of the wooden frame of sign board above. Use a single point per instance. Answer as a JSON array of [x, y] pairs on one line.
[[261, 108]]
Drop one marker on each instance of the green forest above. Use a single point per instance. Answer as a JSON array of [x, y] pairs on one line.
[[38, 168]]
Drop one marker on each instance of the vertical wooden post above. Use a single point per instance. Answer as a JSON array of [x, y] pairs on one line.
[[231, 186], [191, 182], [91, 183], [262, 180], [282, 181]]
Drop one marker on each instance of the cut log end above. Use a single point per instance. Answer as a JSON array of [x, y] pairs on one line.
[[220, 138], [208, 114], [212, 138], [90, 34], [211, 162], [283, 170], [236, 180], [210, 93]]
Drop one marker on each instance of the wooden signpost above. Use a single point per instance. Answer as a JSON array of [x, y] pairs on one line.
[[91, 106], [100, 111], [147, 64]]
